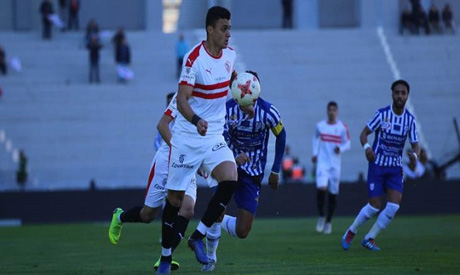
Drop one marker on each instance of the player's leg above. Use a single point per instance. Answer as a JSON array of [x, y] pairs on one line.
[[374, 192], [220, 160], [333, 189], [322, 179], [394, 186], [212, 243]]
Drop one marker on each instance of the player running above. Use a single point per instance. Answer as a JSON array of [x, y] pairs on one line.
[[248, 139], [330, 141], [392, 125], [156, 192], [198, 140]]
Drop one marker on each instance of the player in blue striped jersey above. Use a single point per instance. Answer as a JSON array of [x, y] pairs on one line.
[[248, 139], [392, 125]]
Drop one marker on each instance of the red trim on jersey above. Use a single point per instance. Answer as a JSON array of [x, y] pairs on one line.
[[213, 86], [193, 56], [213, 56], [330, 136], [209, 96], [152, 174], [185, 83], [169, 113], [331, 140], [346, 128]]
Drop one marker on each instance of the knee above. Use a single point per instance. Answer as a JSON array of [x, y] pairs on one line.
[[175, 199], [243, 231], [376, 204], [187, 212], [148, 214]]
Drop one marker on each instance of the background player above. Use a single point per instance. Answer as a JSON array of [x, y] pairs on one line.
[[330, 141], [392, 125], [198, 140], [247, 136], [156, 192]]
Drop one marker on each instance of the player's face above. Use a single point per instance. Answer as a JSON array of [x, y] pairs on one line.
[[220, 32], [332, 113], [400, 95]]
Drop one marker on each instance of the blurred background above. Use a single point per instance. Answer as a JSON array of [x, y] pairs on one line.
[[85, 82]]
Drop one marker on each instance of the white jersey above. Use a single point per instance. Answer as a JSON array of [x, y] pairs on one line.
[[327, 137], [210, 78], [171, 111]]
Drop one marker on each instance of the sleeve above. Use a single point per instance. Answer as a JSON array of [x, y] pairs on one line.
[[280, 146], [274, 120], [189, 72], [375, 122], [171, 110], [413, 134], [346, 143], [315, 141]]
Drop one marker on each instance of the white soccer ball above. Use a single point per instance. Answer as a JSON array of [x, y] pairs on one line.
[[245, 89]]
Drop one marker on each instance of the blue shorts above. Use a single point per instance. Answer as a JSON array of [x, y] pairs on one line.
[[380, 178], [247, 191]]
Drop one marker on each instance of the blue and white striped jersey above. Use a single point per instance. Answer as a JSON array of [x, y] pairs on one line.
[[251, 136], [391, 132]]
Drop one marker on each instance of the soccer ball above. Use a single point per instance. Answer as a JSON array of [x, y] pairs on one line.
[[245, 89]]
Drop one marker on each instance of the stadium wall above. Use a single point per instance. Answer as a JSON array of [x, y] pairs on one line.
[[291, 200]]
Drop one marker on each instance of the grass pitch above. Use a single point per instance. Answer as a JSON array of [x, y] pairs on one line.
[[410, 245]]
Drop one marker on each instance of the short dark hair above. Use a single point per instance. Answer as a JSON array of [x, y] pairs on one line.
[[400, 81], [254, 74], [332, 103], [170, 95], [215, 13]]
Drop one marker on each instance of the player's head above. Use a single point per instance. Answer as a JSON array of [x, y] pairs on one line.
[[400, 92], [218, 26], [332, 111], [169, 98], [254, 74]]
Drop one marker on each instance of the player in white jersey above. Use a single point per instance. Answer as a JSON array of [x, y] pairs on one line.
[[330, 141], [392, 125], [156, 192], [198, 140]]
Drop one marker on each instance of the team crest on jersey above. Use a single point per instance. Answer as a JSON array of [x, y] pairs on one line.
[[181, 158], [386, 124], [227, 66], [371, 186], [187, 70]]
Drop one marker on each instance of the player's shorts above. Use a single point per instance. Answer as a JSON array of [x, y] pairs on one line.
[[380, 178], [188, 153], [248, 191], [156, 191], [328, 177]]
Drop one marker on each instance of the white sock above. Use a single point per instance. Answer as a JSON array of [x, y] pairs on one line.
[[383, 220], [229, 225], [212, 241], [202, 228], [364, 215], [165, 251]]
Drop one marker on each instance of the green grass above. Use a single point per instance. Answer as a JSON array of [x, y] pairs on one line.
[[411, 245]]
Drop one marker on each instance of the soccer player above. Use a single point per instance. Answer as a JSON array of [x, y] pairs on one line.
[[156, 193], [330, 141], [392, 125], [248, 139], [198, 141]]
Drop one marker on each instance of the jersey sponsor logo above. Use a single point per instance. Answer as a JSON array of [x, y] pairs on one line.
[[181, 164], [219, 146], [159, 187]]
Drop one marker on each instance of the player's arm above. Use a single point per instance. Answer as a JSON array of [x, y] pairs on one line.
[[184, 94], [315, 142], [413, 136], [346, 143], [163, 128], [280, 146], [370, 155]]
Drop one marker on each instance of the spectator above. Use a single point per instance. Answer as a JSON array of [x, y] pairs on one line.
[[123, 59], [448, 18], [3, 68], [92, 29], [181, 49], [298, 171], [116, 41], [287, 14], [433, 19], [421, 20], [406, 21], [21, 173], [73, 15], [63, 12], [287, 164], [46, 9], [94, 47]]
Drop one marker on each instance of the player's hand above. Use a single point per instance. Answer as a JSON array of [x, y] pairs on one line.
[[314, 159], [249, 110], [412, 156], [242, 159], [273, 181], [370, 155], [337, 150], [202, 127]]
